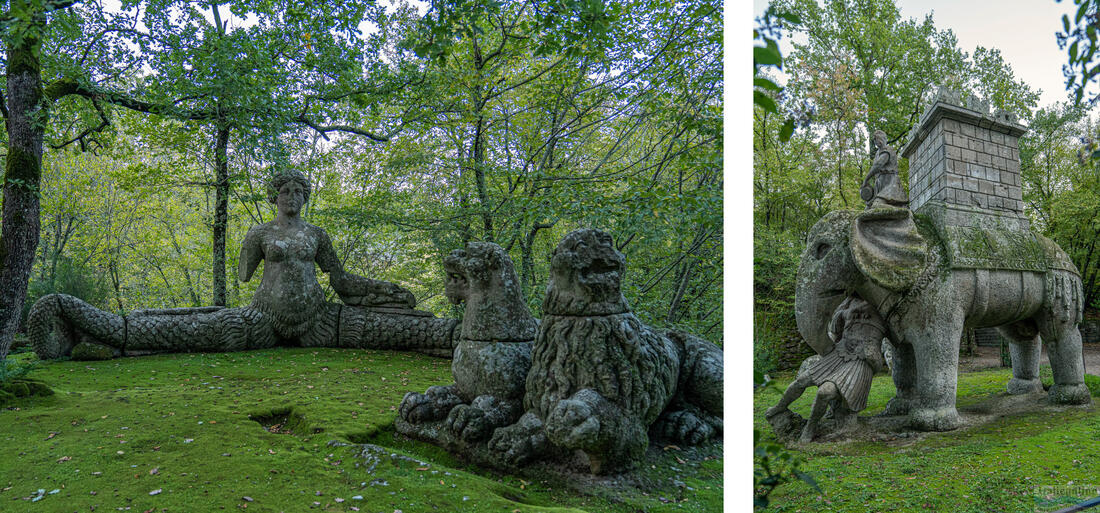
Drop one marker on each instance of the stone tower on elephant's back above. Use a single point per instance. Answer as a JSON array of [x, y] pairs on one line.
[[964, 165]]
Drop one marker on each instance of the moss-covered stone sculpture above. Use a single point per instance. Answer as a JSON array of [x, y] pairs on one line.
[[600, 381], [287, 309]]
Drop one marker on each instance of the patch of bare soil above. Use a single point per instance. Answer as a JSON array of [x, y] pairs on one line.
[[990, 358], [894, 431]]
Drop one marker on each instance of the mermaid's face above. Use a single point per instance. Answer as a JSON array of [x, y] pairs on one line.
[[291, 198]]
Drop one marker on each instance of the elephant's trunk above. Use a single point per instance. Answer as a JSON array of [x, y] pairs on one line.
[[814, 309]]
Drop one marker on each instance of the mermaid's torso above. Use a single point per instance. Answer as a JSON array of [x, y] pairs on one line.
[[289, 294]]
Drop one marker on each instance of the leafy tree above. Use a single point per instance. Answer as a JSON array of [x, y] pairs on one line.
[[862, 67], [769, 31], [1078, 38], [1062, 188], [200, 73]]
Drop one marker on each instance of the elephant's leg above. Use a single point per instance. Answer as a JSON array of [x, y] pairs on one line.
[[1025, 349], [904, 373], [934, 333], [1059, 330]]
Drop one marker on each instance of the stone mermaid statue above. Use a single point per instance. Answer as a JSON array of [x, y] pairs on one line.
[[288, 308]]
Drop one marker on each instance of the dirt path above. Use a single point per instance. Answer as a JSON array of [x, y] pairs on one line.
[[990, 357]]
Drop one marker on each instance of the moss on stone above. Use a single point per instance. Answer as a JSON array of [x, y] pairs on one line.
[[20, 388], [88, 351]]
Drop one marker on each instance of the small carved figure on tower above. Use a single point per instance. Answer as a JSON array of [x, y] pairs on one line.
[[885, 190], [843, 376]]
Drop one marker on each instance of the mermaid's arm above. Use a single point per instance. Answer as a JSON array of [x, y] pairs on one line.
[[330, 263], [252, 251]]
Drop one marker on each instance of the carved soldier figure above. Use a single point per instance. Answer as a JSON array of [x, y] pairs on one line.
[[886, 190], [843, 376]]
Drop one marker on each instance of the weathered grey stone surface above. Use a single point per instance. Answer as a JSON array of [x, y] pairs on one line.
[[482, 275], [287, 309], [490, 361], [882, 187], [600, 382], [965, 163], [926, 318], [979, 267]]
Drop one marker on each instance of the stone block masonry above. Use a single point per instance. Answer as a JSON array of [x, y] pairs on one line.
[[964, 165]]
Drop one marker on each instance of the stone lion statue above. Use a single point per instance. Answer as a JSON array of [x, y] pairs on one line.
[[594, 382], [601, 382], [491, 358]]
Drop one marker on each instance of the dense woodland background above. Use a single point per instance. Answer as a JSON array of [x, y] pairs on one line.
[[421, 127], [857, 66]]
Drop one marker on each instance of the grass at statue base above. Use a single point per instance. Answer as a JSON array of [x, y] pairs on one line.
[[1041, 460], [201, 432]]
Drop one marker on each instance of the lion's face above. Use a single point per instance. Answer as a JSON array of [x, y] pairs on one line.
[[456, 287], [483, 277], [586, 276]]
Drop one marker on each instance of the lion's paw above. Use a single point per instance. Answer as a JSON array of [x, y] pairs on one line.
[[468, 423], [520, 442], [683, 427], [573, 424], [433, 405]]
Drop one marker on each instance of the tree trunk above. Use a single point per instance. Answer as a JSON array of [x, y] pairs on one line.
[[478, 153], [221, 212], [27, 118], [674, 312]]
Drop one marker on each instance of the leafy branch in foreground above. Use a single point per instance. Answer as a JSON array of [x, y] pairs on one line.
[[769, 31], [773, 464]]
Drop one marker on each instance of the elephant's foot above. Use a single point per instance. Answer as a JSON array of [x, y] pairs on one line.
[[1017, 386], [896, 406], [934, 419], [1071, 393]]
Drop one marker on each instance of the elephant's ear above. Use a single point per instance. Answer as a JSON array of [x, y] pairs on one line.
[[887, 247]]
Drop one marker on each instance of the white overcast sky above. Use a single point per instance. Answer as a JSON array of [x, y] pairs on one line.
[[1022, 29]]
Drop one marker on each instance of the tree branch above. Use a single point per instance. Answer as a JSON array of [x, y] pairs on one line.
[[81, 138]]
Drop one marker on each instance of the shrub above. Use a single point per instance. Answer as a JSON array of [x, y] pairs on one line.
[[1093, 383], [69, 278]]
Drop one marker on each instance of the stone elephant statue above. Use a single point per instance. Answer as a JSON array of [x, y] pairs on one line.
[[930, 282]]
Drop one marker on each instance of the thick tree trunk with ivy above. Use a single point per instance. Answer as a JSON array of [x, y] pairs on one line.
[[221, 211], [25, 123]]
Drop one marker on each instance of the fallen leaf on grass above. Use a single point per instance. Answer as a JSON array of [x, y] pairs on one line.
[[155, 492], [51, 435], [64, 458], [154, 471]]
